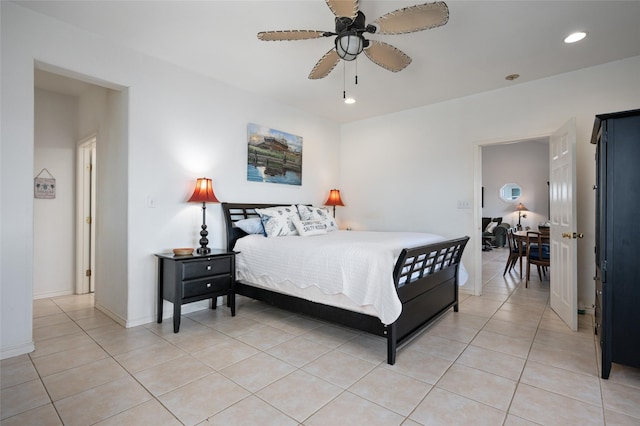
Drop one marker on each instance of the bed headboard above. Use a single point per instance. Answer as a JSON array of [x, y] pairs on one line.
[[234, 212]]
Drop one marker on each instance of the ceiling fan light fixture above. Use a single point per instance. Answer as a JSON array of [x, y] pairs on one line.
[[349, 46], [575, 37]]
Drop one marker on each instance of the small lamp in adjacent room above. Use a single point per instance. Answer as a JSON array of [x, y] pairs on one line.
[[334, 200], [521, 208], [203, 194]]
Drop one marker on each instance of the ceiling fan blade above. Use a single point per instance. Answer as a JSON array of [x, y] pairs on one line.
[[387, 56], [325, 65], [414, 18], [340, 8], [289, 35]]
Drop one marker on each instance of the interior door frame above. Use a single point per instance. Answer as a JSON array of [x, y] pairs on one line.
[[477, 205], [85, 208]]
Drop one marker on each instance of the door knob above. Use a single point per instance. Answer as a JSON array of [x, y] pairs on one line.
[[574, 235]]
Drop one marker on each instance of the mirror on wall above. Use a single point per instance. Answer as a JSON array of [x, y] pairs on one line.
[[510, 192]]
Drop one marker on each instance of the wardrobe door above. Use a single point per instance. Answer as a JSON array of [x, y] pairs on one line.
[[623, 235]]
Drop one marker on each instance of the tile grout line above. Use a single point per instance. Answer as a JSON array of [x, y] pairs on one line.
[[458, 357], [114, 360]]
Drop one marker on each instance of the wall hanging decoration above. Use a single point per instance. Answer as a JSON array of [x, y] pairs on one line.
[[44, 187], [273, 156]]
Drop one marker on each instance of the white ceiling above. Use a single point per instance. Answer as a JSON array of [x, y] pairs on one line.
[[482, 43]]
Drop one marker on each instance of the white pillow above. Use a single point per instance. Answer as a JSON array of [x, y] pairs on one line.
[[251, 226], [307, 228], [278, 221], [318, 213], [490, 227]]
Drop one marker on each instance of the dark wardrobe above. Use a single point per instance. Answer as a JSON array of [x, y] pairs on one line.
[[617, 251]]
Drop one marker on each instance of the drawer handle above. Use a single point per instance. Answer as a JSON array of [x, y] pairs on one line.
[[208, 267], [208, 285]]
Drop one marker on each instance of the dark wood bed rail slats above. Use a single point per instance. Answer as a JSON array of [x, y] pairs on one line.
[[426, 280], [234, 212]]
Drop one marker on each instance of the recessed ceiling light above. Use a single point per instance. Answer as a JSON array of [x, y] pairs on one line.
[[349, 101], [577, 36], [512, 77]]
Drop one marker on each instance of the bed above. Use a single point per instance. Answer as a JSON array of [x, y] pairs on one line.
[[424, 278]]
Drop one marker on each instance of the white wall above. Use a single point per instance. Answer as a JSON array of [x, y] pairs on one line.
[[177, 126], [54, 225], [407, 170], [526, 164]]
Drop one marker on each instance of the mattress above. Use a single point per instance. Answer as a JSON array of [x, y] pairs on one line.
[[348, 269]]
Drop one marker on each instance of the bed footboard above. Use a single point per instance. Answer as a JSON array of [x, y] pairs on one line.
[[426, 280]]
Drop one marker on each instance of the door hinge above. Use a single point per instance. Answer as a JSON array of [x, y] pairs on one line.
[[88, 220], [87, 273]]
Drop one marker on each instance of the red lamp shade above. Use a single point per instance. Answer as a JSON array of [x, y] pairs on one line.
[[334, 198], [203, 192]]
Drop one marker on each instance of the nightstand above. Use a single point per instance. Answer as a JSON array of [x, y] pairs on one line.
[[186, 279]]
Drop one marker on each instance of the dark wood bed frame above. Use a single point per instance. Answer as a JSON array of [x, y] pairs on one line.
[[432, 290]]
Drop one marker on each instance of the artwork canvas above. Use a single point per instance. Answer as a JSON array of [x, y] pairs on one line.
[[273, 156], [44, 188]]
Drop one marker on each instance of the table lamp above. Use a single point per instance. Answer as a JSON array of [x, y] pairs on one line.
[[203, 193], [334, 200], [521, 208]]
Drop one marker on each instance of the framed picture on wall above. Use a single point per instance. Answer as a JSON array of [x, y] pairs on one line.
[[44, 187], [273, 156]]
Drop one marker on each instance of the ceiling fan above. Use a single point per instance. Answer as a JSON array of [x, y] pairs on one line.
[[350, 29]]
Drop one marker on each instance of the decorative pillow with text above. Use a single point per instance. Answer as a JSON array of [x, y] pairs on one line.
[[318, 213], [307, 228]]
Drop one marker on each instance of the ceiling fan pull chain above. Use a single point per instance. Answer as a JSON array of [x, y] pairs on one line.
[[344, 80], [356, 71]]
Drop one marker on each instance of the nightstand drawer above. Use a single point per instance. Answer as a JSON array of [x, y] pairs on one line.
[[200, 287], [206, 268]]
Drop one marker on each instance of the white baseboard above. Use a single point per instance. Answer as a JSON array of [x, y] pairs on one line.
[[167, 311], [17, 350], [589, 311], [52, 294], [117, 318]]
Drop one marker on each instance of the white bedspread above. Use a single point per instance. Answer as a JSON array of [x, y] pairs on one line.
[[356, 264]]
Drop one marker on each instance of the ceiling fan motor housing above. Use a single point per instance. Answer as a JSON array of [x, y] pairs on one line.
[[349, 41]]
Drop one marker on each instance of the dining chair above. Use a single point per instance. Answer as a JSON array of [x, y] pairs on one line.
[[538, 253], [514, 253]]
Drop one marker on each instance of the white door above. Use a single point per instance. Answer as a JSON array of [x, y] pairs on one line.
[[85, 229], [564, 280]]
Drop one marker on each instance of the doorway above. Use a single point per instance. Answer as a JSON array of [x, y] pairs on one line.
[[522, 163], [86, 216]]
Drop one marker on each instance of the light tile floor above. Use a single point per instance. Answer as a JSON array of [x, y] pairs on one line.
[[504, 359]]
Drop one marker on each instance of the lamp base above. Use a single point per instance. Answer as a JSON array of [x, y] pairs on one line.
[[203, 249]]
